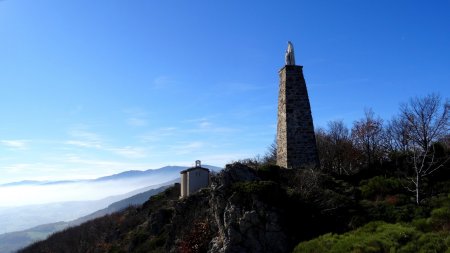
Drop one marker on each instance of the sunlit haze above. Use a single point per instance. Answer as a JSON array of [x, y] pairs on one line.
[[93, 88], [33, 195]]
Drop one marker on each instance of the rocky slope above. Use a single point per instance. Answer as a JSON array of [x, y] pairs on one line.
[[244, 210]]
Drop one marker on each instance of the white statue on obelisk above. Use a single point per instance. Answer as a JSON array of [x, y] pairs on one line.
[[289, 57]]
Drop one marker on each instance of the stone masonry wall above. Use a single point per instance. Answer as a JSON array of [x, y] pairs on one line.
[[296, 143]]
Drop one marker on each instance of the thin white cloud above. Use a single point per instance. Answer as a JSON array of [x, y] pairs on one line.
[[84, 144], [130, 152], [162, 82], [100, 167], [198, 119], [188, 147], [15, 144], [213, 129], [209, 127], [87, 139], [19, 167], [136, 117], [137, 122], [28, 171], [205, 125], [202, 123], [83, 138], [158, 134]]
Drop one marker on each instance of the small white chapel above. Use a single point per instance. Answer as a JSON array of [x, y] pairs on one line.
[[194, 179]]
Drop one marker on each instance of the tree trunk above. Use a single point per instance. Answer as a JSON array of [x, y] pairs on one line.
[[417, 188]]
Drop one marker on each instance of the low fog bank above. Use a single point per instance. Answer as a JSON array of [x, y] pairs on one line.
[[36, 194], [24, 217], [26, 206]]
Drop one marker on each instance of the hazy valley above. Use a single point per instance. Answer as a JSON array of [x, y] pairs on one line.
[[90, 198]]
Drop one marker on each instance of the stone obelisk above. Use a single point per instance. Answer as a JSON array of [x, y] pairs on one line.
[[296, 142]]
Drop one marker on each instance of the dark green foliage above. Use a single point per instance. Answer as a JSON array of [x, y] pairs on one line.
[[440, 218], [428, 232], [439, 187], [378, 237], [255, 187], [309, 202], [383, 210], [151, 244], [269, 172], [379, 187], [139, 237]]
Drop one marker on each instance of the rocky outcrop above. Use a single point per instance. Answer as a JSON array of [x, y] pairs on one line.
[[243, 227], [239, 212], [237, 220]]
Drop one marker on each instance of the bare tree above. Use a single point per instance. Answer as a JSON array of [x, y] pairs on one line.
[[338, 132], [398, 135], [271, 155], [324, 148], [427, 121], [424, 163], [445, 140], [336, 151], [342, 147], [367, 134]]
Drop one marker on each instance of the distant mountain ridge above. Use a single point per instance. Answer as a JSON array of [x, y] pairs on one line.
[[141, 173], [129, 174], [10, 242], [17, 218], [38, 228]]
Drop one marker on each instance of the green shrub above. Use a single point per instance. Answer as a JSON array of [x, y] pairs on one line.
[[269, 172], [379, 237], [438, 201], [422, 224], [269, 168], [267, 191], [318, 245], [373, 237], [139, 237], [152, 245], [431, 242], [440, 218], [387, 212], [254, 187], [380, 187]]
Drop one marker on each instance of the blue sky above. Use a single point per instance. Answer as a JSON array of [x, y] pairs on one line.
[[91, 88]]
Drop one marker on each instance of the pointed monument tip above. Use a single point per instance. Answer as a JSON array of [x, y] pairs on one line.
[[289, 56]]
